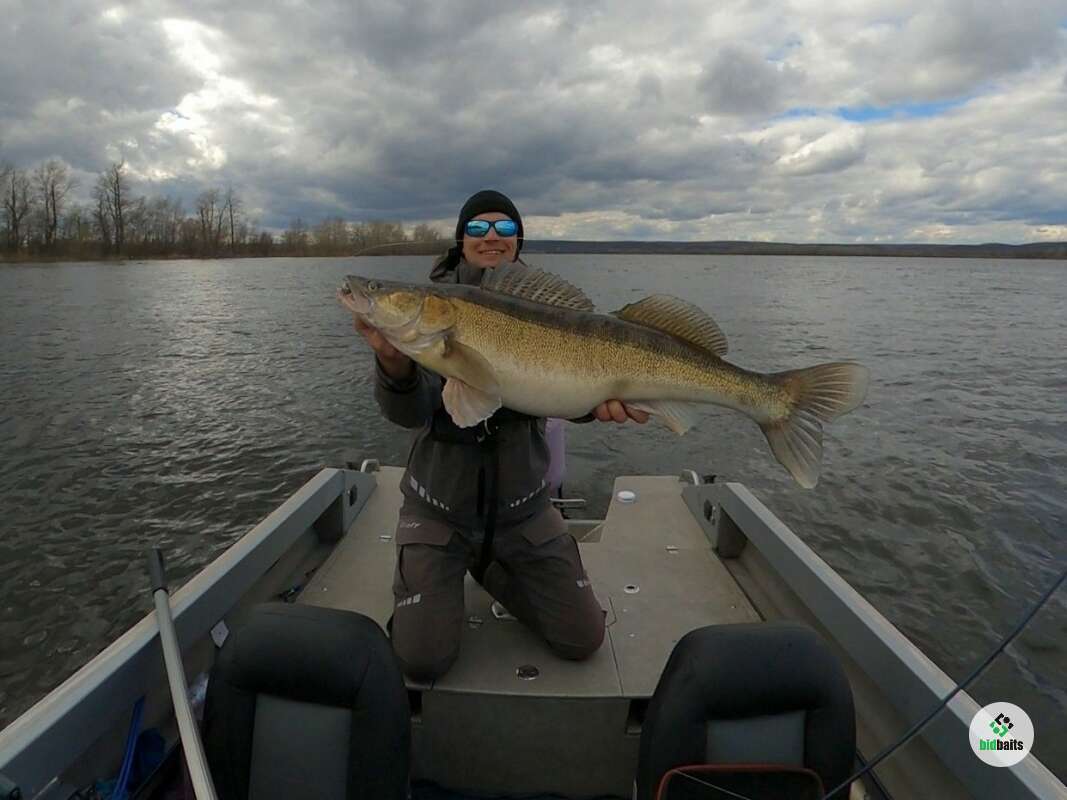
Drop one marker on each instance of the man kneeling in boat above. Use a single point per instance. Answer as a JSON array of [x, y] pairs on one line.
[[476, 498]]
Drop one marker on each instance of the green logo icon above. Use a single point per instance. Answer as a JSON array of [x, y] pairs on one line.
[[1001, 725]]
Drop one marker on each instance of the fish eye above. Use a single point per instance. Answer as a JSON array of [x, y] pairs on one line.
[[373, 285]]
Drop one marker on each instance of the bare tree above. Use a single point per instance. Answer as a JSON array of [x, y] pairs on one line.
[[331, 237], [102, 217], [211, 214], [155, 223], [295, 238], [246, 233], [17, 204], [5, 172], [52, 182], [77, 227], [112, 193], [165, 218], [379, 233], [175, 220], [233, 208], [264, 244], [38, 213], [426, 234], [189, 236], [138, 227]]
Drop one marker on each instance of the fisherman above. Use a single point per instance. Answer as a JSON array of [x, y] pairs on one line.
[[476, 498]]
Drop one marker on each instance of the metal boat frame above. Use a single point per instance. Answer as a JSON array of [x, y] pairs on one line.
[[64, 741]]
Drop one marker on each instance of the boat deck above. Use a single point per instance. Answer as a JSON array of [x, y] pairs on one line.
[[575, 730], [652, 568]]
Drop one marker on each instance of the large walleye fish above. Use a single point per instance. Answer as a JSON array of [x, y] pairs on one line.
[[528, 340]]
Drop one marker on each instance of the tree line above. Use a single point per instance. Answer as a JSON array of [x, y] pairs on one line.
[[39, 219]]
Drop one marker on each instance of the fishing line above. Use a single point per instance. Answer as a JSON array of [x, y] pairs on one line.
[[918, 726], [444, 243], [716, 788]]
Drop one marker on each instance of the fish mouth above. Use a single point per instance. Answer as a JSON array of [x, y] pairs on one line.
[[353, 295]]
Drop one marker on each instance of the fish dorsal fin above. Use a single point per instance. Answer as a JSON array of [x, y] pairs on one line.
[[533, 283], [678, 318]]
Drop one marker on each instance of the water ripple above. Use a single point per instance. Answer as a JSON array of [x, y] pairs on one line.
[[177, 404]]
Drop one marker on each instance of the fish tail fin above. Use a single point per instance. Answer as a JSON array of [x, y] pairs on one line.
[[820, 394]]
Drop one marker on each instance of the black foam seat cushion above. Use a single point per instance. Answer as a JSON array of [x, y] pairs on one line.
[[307, 702], [760, 693]]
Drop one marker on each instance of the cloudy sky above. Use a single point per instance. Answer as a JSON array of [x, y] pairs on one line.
[[810, 120]]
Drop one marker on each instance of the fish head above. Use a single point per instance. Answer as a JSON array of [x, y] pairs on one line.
[[397, 306]]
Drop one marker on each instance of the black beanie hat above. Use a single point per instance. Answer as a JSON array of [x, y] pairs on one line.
[[483, 202]]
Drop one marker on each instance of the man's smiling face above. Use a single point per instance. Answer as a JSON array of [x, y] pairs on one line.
[[491, 250]]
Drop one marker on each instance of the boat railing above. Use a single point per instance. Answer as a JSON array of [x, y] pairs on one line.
[[46, 740], [779, 572]]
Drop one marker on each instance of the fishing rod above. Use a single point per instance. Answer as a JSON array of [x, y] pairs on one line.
[[407, 242], [918, 726], [444, 244], [203, 787]]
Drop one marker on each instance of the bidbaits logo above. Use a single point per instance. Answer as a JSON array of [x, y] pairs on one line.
[[1001, 734], [1000, 726]]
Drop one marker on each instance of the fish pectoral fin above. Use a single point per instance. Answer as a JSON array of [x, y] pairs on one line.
[[469, 366], [466, 405], [678, 415], [679, 318], [472, 391]]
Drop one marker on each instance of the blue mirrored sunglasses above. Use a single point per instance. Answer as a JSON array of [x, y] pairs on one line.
[[480, 227]]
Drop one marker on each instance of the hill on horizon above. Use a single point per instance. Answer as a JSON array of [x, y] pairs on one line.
[[1056, 250]]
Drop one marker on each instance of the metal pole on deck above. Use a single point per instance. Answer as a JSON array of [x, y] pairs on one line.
[[179, 690]]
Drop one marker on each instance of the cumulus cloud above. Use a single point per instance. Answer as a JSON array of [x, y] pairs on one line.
[[740, 80], [797, 121], [831, 152]]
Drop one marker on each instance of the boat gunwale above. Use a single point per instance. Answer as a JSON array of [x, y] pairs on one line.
[[913, 683], [49, 737]]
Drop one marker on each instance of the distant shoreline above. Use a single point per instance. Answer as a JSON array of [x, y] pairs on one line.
[[1056, 250], [1034, 250]]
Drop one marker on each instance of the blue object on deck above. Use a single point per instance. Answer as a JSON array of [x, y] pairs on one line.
[[127, 759]]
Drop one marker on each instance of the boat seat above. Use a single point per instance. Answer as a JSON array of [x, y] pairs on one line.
[[770, 696], [305, 701]]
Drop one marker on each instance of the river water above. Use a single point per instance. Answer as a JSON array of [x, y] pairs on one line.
[[177, 403]]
